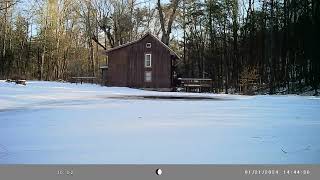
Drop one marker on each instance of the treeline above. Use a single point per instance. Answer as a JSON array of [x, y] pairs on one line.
[[253, 45], [58, 39], [243, 45]]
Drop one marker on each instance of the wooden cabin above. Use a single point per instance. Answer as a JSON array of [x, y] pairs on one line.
[[144, 63]]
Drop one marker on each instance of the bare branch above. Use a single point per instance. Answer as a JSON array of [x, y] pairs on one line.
[[7, 6]]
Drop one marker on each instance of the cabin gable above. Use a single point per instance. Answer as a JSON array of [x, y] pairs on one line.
[[127, 64]]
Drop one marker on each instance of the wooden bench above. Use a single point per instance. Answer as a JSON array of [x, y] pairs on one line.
[[23, 82], [196, 84], [17, 81]]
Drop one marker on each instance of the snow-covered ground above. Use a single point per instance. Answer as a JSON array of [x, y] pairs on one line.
[[51, 122]]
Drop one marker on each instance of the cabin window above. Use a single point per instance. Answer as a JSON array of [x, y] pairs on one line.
[[147, 60], [148, 45], [148, 76]]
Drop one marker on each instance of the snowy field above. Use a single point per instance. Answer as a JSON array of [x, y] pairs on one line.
[[51, 122]]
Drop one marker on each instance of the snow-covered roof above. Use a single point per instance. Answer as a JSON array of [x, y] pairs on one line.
[[133, 42], [104, 67]]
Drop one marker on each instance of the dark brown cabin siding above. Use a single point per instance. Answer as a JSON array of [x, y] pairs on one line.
[[117, 68], [126, 65]]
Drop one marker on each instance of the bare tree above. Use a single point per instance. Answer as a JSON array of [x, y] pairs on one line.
[[166, 30]]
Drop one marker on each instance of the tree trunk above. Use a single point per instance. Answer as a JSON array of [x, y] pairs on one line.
[[166, 31]]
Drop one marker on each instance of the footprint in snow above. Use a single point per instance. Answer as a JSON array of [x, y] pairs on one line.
[[3, 151], [301, 150]]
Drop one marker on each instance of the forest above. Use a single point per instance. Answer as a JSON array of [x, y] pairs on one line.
[[269, 46]]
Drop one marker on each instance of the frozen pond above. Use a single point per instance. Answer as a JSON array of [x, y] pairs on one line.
[[62, 123]]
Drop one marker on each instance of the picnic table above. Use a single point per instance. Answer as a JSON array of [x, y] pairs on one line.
[[82, 79], [196, 84]]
